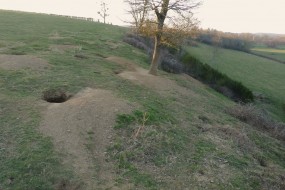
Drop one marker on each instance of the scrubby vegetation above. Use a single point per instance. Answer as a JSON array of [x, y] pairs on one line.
[[240, 42]]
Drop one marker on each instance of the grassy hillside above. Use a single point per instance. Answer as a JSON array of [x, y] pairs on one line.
[[261, 75], [186, 138]]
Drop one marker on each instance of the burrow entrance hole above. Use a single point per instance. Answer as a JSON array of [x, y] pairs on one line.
[[55, 96]]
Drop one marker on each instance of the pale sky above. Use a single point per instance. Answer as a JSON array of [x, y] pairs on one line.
[[226, 15]]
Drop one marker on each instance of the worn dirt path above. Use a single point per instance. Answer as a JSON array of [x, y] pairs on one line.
[[82, 129]]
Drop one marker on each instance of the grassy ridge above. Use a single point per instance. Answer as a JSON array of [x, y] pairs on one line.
[[259, 74]]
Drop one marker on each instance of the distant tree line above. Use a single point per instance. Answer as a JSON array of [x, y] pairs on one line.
[[270, 40], [240, 42]]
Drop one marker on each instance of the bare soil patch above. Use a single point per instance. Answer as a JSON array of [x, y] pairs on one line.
[[82, 129], [17, 62]]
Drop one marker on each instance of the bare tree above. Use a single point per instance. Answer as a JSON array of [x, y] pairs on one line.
[[104, 10], [138, 10], [180, 20]]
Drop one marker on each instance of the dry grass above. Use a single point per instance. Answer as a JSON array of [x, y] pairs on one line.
[[238, 136], [251, 115]]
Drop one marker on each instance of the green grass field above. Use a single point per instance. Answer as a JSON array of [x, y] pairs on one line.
[[259, 74], [278, 54], [188, 139]]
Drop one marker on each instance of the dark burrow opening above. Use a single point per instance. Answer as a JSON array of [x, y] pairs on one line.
[[55, 96]]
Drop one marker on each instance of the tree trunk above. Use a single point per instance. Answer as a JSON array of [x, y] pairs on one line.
[[155, 56], [160, 22]]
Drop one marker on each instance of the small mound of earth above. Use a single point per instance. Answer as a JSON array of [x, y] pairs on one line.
[[63, 48], [130, 66], [82, 129], [17, 62], [113, 45], [160, 84], [140, 76]]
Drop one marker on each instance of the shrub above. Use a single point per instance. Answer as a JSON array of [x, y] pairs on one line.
[[138, 41], [170, 64], [134, 42]]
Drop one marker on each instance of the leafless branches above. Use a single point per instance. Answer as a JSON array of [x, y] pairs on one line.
[[139, 11], [104, 10]]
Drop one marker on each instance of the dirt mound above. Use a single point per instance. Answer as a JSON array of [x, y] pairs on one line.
[[141, 76], [17, 62], [63, 48], [130, 66], [81, 129]]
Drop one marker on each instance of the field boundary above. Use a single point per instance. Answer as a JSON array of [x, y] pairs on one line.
[[266, 57]]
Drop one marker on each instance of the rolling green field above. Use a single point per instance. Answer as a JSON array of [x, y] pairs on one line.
[[187, 139], [261, 75], [278, 54]]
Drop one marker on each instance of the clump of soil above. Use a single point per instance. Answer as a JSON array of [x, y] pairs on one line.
[[55, 96]]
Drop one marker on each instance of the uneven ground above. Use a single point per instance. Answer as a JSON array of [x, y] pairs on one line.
[[122, 128]]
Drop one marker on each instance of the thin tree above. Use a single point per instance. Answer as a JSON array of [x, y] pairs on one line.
[[104, 11], [181, 9]]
